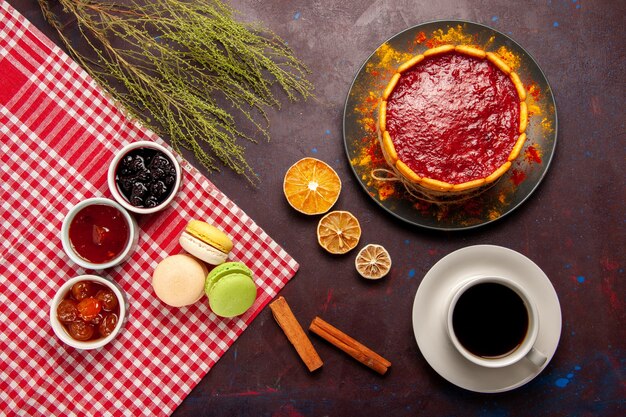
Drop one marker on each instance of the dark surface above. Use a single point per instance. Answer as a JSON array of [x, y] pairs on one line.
[[572, 226]]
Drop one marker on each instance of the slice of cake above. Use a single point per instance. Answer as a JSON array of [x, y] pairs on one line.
[[452, 119]]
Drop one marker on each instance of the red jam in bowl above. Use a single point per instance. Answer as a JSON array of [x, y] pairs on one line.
[[99, 233]]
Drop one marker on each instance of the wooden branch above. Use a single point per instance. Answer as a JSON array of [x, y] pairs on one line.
[[292, 329]]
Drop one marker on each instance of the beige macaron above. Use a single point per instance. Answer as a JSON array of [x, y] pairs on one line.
[[178, 280]]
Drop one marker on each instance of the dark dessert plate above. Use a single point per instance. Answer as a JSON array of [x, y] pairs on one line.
[[364, 154]]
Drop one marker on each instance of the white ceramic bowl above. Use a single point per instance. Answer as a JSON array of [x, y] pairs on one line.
[[125, 254], [117, 194], [60, 331]]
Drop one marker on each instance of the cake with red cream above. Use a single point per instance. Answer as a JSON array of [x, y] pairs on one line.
[[452, 119]]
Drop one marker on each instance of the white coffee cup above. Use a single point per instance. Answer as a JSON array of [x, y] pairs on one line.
[[525, 349]]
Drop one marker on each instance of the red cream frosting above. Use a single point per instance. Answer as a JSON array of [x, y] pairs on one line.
[[453, 118]]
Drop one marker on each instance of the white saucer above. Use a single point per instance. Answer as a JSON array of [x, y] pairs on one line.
[[429, 316]]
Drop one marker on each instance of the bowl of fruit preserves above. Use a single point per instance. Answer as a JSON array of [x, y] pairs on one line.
[[98, 233], [88, 312], [144, 177]]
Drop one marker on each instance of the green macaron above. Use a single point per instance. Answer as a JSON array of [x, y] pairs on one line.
[[230, 289]]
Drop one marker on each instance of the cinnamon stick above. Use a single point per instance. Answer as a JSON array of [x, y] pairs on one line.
[[349, 345], [292, 329]]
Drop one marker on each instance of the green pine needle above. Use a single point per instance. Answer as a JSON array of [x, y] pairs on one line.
[[169, 62]]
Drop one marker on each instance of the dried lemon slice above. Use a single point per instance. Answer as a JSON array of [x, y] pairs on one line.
[[338, 232], [373, 262], [311, 186]]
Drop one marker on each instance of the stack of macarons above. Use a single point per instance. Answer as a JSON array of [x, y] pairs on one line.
[[181, 280]]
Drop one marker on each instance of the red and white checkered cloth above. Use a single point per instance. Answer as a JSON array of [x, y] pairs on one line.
[[58, 132]]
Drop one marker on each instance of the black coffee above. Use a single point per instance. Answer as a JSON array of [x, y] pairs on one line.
[[490, 320]]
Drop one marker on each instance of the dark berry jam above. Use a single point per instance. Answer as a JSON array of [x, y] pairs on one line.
[[146, 177], [453, 118], [89, 311], [99, 233]]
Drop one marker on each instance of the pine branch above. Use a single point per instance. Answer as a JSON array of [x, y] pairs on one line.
[[176, 60]]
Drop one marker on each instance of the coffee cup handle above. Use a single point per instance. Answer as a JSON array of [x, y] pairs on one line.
[[536, 357]]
